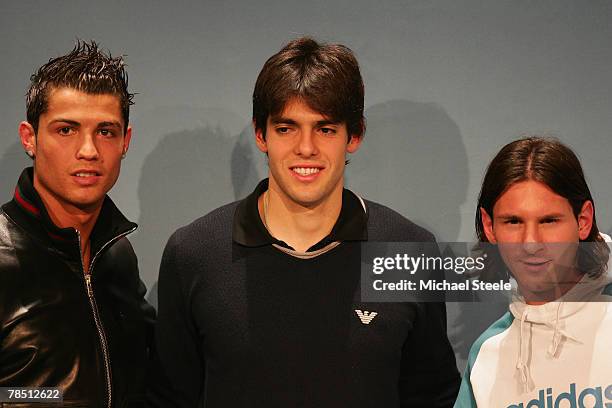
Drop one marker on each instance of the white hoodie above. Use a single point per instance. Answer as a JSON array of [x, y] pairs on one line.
[[554, 355]]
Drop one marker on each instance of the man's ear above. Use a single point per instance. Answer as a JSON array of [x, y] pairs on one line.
[[127, 138], [354, 143], [260, 139], [487, 225], [585, 220], [28, 138]]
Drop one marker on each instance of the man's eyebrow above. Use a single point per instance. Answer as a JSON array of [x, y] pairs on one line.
[[512, 216], [553, 215], [327, 122], [109, 124], [506, 216], [279, 119], [68, 121]]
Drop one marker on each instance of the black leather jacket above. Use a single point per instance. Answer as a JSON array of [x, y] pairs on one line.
[[88, 335]]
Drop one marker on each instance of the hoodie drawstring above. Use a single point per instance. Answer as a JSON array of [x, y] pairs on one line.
[[556, 339], [521, 364], [558, 335]]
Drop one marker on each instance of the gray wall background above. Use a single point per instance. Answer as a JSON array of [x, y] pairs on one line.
[[447, 84]]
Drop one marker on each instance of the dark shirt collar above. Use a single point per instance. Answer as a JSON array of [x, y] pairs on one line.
[[249, 230], [28, 210]]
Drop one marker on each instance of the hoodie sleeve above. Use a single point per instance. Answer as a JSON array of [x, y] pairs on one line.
[[465, 399]]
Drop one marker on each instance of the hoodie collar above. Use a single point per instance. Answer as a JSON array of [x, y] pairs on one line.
[[554, 315], [587, 289]]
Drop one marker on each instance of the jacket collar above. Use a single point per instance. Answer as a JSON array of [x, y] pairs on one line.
[[27, 210], [249, 230]]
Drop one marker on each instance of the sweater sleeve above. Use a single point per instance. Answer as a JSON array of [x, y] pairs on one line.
[[429, 376], [177, 377]]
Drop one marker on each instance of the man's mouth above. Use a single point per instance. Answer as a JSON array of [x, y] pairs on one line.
[[536, 265], [306, 171], [86, 174], [86, 177], [535, 261]]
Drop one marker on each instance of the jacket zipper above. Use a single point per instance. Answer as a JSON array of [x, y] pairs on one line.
[[94, 309]]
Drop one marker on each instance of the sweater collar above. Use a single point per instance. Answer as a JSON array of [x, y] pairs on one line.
[[249, 230]]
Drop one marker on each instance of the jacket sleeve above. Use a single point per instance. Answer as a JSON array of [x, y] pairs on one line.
[[429, 376], [149, 314], [148, 311], [177, 376]]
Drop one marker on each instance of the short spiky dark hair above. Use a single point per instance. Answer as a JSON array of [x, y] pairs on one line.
[[86, 68], [325, 76]]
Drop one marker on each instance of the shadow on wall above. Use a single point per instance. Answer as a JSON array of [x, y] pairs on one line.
[[414, 160], [13, 161], [249, 164], [187, 175], [208, 165]]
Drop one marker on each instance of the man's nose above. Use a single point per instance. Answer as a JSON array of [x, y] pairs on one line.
[[87, 148], [306, 144], [532, 240]]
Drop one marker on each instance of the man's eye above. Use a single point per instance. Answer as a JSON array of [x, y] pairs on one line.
[[550, 220], [66, 130], [106, 132], [328, 131], [282, 130], [512, 221]]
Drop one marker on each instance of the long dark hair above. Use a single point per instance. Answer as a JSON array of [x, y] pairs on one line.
[[552, 163]]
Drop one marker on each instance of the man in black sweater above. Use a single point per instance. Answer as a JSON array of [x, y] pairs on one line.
[[259, 301]]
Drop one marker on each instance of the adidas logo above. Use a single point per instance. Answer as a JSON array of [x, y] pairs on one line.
[[575, 398], [365, 316]]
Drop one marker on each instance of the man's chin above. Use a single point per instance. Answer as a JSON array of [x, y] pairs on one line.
[[87, 204], [306, 196], [540, 292], [307, 202]]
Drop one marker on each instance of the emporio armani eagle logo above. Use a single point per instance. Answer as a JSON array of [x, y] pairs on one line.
[[365, 316]]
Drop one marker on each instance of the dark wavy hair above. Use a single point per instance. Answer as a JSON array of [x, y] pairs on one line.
[[552, 163], [86, 68], [325, 76]]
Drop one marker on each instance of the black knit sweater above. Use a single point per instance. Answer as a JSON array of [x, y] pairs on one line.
[[242, 326]]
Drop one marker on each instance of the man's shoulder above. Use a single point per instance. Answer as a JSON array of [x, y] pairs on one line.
[[6, 241], [385, 224], [12, 241], [216, 226], [11, 233], [4, 226]]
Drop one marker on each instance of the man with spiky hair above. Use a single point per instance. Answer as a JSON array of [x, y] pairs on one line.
[[72, 310], [259, 301]]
